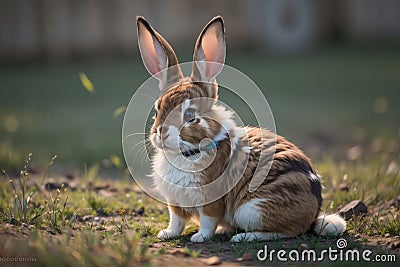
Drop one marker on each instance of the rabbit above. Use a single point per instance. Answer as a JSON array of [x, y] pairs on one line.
[[197, 143]]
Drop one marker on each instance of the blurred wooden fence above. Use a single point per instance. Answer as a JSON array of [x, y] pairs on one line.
[[59, 29]]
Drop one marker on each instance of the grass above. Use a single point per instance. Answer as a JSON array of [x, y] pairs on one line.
[[96, 215], [83, 248], [119, 240], [50, 106], [105, 221], [377, 225]]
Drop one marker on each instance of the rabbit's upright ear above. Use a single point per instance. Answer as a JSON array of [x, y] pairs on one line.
[[157, 55], [210, 48]]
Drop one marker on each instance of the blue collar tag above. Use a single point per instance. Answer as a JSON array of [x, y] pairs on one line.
[[211, 145]]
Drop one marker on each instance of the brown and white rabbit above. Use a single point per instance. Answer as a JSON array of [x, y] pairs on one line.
[[197, 143]]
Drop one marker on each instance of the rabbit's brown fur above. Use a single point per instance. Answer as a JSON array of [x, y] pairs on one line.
[[249, 179]]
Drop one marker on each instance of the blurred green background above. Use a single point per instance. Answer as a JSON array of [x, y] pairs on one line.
[[339, 94], [338, 90]]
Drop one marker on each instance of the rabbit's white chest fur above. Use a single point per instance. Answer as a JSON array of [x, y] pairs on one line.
[[179, 180], [173, 182]]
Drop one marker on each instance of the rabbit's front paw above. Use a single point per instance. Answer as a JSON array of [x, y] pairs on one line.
[[166, 234], [199, 238]]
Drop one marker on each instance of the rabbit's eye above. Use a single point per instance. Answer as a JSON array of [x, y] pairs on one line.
[[189, 115]]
